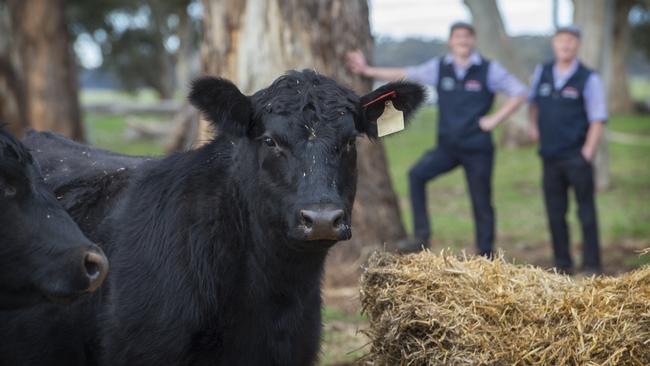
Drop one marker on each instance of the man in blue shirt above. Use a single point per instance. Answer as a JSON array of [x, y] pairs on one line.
[[466, 84], [567, 111]]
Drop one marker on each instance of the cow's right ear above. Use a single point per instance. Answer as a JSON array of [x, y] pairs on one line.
[[405, 96], [227, 109]]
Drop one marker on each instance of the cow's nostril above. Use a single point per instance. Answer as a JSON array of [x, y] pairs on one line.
[[92, 268], [306, 219], [95, 266], [338, 219]]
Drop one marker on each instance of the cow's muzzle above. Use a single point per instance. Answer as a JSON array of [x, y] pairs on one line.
[[322, 222]]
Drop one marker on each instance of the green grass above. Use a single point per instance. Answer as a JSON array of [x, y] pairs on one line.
[[624, 210], [640, 88], [108, 132]]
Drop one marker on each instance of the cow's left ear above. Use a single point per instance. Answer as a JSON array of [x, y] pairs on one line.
[[227, 109], [405, 96]]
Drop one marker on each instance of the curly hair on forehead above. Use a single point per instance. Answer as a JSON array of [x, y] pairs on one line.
[[298, 91]]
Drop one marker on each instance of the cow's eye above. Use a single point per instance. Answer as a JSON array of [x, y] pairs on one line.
[[269, 142]]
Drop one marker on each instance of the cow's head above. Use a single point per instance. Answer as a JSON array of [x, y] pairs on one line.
[[300, 136], [43, 254]]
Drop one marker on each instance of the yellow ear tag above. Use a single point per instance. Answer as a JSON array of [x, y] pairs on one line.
[[391, 121]]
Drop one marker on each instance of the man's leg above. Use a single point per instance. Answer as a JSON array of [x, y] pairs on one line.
[[582, 179], [478, 173], [431, 164], [555, 187]]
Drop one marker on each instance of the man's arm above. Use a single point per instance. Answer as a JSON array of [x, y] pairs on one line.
[[501, 81], [594, 134], [595, 102], [357, 63]]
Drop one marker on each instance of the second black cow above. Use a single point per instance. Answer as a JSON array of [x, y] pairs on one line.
[[217, 254]]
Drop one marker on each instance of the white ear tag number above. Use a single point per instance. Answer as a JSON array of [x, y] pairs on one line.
[[391, 121]]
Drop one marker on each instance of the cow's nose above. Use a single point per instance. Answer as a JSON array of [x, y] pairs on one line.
[[95, 268], [324, 223]]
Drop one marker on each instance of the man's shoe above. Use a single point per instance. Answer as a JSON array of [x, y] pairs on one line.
[[412, 245]]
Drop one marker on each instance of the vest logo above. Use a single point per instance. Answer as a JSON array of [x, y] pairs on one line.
[[473, 85], [545, 90], [447, 83], [570, 93]]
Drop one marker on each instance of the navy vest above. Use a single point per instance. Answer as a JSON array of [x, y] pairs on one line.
[[461, 103], [562, 117]]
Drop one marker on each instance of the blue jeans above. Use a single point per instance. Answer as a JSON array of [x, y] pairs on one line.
[[478, 174]]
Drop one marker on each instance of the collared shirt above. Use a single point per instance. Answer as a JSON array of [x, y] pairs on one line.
[[499, 80], [595, 99]]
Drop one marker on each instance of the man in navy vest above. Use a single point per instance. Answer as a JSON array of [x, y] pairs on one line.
[[466, 84], [567, 111]]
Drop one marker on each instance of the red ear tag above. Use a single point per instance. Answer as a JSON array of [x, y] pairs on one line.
[[391, 93]]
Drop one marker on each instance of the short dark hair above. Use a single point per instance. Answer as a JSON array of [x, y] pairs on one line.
[[462, 25]]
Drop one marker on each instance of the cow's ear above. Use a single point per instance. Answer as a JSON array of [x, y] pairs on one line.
[[405, 96], [229, 111]]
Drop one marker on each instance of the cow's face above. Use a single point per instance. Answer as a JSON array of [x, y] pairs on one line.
[[43, 254], [301, 133]]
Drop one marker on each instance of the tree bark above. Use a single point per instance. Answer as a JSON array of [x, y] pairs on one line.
[[13, 111], [620, 100], [595, 18], [495, 44], [253, 42], [48, 66]]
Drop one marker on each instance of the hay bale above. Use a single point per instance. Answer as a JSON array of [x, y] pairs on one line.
[[427, 309]]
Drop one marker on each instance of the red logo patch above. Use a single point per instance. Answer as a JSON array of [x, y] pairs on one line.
[[570, 92], [473, 85]]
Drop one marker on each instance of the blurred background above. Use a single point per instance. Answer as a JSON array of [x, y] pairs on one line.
[[114, 73]]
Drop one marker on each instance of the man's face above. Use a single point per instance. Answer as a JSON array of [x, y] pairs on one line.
[[565, 46], [461, 42]]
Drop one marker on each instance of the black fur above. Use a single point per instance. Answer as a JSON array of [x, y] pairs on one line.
[[41, 248], [207, 265]]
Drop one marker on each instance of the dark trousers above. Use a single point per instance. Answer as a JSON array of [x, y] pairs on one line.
[[478, 174], [559, 176]]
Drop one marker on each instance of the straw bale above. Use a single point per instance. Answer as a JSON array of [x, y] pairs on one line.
[[427, 309]]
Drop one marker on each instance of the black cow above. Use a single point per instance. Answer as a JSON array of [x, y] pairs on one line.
[[43, 254], [217, 254]]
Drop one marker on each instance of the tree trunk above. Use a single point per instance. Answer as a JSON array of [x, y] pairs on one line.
[[12, 94], [595, 18], [48, 66], [620, 100], [495, 43], [253, 42]]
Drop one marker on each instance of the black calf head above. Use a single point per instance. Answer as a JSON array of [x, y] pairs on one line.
[[43, 254], [301, 133]]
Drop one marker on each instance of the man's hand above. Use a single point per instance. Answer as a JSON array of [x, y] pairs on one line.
[[588, 153], [487, 123], [356, 62]]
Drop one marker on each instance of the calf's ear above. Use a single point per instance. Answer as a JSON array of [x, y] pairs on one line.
[[405, 96], [229, 111]]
